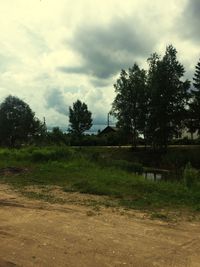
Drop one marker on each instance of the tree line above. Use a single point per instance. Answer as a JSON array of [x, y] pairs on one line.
[[156, 104], [19, 125]]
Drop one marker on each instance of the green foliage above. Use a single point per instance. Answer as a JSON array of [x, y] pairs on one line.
[[195, 101], [80, 118], [130, 104], [196, 78], [154, 103], [51, 154], [133, 167], [111, 139], [177, 158], [169, 95], [191, 176], [57, 137], [17, 122], [36, 154], [185, 141], [76, 170]]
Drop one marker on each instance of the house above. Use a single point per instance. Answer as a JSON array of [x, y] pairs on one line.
[[186, 134], [108, 130]]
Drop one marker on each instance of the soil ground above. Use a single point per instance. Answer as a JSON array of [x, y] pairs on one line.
[[36, 233]]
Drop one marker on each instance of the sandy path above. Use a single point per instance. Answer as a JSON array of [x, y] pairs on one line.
[[34, 233]]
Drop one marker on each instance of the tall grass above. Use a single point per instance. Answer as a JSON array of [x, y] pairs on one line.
[[76, 170]]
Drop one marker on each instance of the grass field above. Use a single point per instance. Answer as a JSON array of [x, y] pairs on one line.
[[99, 171]]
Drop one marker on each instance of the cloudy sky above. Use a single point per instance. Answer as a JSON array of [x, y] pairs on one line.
[[53, 52]]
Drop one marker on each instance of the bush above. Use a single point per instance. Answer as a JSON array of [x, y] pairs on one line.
[[191, 176], [128, 166], [51, 154], [185, 141], [134, 167]]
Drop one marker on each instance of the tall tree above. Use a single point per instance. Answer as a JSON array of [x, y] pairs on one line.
[[130, 102], [195, 104], [196, 78], [80, 118], [18, 123], [169, 96]]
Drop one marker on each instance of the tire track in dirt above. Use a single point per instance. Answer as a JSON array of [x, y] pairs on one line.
[[35, 233], [7, 264]]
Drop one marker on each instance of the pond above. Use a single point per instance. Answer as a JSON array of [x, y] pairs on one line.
[[160, 174], [152, 176]]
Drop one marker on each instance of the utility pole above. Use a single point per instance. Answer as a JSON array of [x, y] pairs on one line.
[[108, 122]]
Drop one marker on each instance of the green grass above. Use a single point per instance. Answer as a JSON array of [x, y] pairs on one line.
[[78, 170], [175, 158]]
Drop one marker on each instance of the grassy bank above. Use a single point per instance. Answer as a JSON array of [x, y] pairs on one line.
[[175, 157], [95, 171]]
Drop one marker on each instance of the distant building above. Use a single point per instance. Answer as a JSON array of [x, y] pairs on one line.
[[186, 134], [108, 130]]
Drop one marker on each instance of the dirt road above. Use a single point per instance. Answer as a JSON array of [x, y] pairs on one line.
[[35, 233]]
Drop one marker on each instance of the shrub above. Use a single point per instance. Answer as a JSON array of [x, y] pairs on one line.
[[191, 176], [125, 165], [128, 166], [51, 154]]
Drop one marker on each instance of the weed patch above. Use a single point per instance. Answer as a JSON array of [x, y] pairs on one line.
[[75, 171]]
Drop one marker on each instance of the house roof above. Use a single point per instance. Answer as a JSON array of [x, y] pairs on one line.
[[108, 129]]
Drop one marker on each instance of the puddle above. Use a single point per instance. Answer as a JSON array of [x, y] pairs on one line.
[[159, 174], [152, 176]]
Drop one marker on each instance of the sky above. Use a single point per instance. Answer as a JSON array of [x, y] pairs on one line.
[[53, 52]]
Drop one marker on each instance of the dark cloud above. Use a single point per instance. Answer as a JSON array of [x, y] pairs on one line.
[[97, 82], [107, 49], [96, 127], [100, 122], [76, 70], [55, 99], [189, 23], [101, 119]]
